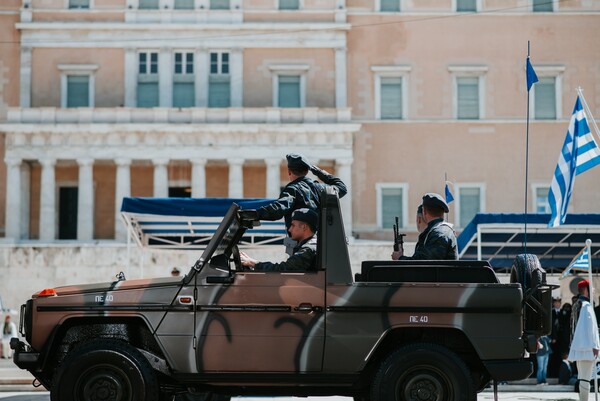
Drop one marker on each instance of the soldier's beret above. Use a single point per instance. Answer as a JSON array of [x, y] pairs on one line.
[[420, 209], [307, 216], [297, 161], [435, 200]]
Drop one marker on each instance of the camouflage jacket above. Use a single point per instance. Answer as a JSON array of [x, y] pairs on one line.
[[436, 242], [300, 193], [303, 259]]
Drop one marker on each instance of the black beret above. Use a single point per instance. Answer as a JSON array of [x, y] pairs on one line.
[[435, 200], [420, 209], [307, 216], [296, 161]]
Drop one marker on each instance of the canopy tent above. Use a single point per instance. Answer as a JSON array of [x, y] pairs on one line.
[[189, 223], [499, 237]]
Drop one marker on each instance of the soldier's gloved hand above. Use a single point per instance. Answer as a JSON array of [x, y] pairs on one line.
[[315, 170]]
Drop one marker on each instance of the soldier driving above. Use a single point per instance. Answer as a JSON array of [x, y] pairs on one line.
[[300, 192], [437, 240]]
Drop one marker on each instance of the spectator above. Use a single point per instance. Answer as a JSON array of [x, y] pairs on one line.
[[565, 373], [9, 330], [542, 355]]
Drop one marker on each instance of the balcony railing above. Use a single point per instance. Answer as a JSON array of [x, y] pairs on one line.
[[268, 115]]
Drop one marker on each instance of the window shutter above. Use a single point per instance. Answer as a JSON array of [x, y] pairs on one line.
[[390, 5], [219, 5], [466, 5], [469, 204], [79, 3], [289, 91], [78, 91], [184, 4], [468, 98], [545, 99], [183, 94], [148, 5], [147, 94], [542, 6], [219, 92], [289, 4], [391, 207], [391, 98]]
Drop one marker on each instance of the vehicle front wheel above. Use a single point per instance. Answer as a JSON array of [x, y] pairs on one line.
[[423, 372], [106, 370]]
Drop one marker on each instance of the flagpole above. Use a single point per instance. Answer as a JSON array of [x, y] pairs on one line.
[[526, 156], [588, 244], [588, 111]]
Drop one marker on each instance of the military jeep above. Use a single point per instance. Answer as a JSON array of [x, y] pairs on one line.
[[398, 330]]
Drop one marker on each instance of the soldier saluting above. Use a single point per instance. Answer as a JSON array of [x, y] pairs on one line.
[[438, 240], [300, 192]]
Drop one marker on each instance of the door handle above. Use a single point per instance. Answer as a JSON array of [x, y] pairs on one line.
[[306, 307]]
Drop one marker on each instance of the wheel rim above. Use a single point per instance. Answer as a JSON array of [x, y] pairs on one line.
[[422, 384], [103, 383]]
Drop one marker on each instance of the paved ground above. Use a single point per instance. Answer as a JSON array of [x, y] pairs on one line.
[[15, 385]]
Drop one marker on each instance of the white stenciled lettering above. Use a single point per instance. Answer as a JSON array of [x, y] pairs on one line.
[[99, 298], [418, 319], [102, 298]]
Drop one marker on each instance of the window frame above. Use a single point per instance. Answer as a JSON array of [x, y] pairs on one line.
[[534, 188], [379, 187], [184, 77], [391, 71], [149, 76], [553, 4], [89, 6], [457, 198], [278, 6], [209, 6], [219, 74], [548, 71], [401, 6], [463, 71], [67, 70], [278, 70], [477, 7]]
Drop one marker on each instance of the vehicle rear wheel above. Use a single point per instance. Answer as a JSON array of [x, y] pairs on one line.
[[105, 370], [527, 271], [423, 372]]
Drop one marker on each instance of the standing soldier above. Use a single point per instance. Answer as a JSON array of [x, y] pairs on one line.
[[300, 192]]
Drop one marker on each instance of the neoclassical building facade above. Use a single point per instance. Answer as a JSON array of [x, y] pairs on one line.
[[101, 99]]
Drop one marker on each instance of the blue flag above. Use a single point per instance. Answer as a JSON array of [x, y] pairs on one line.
[[581, 262], [579, 154], [531, 75], [449, 197]]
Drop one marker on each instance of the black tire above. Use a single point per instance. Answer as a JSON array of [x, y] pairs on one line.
[[107, 370], [423, 372], [527, 271]]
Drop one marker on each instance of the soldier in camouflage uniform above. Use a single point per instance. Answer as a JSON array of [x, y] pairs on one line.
[[301, 192], [302, 229], [438, 240]]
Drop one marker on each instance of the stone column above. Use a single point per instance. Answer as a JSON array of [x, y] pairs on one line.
[[25, 199], [48, 201], [13, 198], [198, 178], [343, 169], [85, 200], [236, 66], [201, 74], [273, 177], [340, 78], [236, 178], [25, 74], [122, 190], [130, 77], [161, 178], [165, 78]]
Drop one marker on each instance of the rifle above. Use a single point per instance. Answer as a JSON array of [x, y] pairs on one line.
[[398, 238]]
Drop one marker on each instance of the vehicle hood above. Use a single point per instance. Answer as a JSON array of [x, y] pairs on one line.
[[116, 286]]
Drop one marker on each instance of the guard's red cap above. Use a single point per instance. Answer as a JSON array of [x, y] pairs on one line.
[[583, 283]]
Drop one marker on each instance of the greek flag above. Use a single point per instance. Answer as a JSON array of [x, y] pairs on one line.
[[579, 154], [581, 262], [449, 197]]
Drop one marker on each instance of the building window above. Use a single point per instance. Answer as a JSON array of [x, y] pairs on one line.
[[148, 4], [147, 85], [219, 81], [289, 4], [389, 5], [289, 91], [467, 98], [289, 85], [183, 5], [545, 98], [392, 202], [220, 5], [77, 85], [541, 199], [67, 212], [183, 80], [79, 3], [469, 202], [391, 83], [543, 5], [466, 5]]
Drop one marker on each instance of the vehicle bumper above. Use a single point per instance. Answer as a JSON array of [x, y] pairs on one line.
[[509, 370], [23, 357]]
